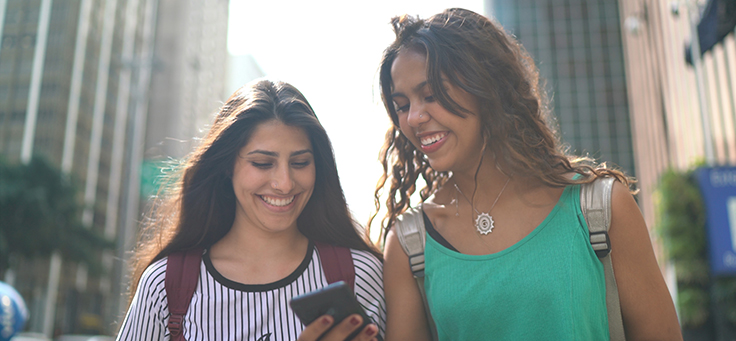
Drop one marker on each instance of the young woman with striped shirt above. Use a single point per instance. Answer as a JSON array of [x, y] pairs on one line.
[[256, 195]]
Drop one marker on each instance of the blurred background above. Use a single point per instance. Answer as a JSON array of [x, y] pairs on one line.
[[98, 98]]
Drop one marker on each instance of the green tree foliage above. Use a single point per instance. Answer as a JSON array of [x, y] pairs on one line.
[[682, 228], [724, 291], [40, 212]]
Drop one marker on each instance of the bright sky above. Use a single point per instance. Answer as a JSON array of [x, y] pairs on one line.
[[330, 50]]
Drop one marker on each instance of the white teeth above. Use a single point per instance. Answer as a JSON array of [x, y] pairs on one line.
[[427, 140], [277, 202]]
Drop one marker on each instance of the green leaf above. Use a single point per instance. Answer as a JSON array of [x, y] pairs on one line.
[[40, 212]]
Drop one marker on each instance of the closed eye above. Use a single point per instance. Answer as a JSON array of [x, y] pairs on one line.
[[302, 164], [266, 165]]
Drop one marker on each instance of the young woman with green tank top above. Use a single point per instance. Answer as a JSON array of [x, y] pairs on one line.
[[507, 254]]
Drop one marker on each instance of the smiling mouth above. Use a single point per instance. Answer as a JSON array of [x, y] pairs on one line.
[[278, 202], [432, 139]]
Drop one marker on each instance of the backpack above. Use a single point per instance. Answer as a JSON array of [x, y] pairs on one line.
[[182, 272], [595, 203]]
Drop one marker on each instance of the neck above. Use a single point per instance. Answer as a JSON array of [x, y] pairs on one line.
[[251, 255], [246, 242], [489, 179]]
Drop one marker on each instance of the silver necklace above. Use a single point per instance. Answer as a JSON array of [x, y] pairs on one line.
[[483, 220]]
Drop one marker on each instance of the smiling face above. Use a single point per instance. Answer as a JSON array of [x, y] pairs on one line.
[[273, 177], [451, 142]]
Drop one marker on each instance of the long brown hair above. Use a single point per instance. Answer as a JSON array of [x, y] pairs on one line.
[[478, 56], [199, 208]]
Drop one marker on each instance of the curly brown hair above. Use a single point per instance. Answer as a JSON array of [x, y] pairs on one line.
[[476, 55]]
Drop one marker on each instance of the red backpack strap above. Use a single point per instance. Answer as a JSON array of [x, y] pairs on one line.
[[337, 262], [182, 272]]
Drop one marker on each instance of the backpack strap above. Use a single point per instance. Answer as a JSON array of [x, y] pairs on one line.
[[182, 273], [337, 262], [410, 229], [412, 237], [595, 203]]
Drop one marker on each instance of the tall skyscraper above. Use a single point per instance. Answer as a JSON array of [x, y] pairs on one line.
[[190, 84], [577, 47], [92, 85]]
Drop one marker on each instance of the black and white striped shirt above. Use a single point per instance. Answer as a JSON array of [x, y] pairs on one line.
[[225, 310]]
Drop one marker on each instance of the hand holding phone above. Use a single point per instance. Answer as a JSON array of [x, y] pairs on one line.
[[336, 300], [318, 330]]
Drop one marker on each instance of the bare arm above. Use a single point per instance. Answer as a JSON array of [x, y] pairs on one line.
[[404, 307], [646, 305]]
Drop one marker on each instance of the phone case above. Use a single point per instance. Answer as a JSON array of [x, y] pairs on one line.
[[336, 299]]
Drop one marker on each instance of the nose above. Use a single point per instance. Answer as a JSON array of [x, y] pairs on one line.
[[417, 115], [282, 180]]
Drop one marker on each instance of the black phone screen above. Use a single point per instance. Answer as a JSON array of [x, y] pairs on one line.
[[336, 300]]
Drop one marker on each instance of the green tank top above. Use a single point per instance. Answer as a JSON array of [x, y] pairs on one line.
[[548, 286]]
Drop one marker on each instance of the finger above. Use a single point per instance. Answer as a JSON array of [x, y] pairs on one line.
[[313, 331], [368, 333], [343, 329]]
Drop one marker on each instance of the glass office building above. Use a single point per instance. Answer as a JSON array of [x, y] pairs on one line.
[[94, 86], [577, 47]]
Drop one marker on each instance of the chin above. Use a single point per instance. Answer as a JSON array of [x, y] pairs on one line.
[[439, 166], [278, 225]]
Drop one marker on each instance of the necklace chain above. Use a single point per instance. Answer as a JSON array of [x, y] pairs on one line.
[[483, 220]]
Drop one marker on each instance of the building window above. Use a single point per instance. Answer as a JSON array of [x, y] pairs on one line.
[[8, 42], [28, 41], [18, 116]]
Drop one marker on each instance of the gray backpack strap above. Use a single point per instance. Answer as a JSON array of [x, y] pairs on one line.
[[412, 237], [595, 203]]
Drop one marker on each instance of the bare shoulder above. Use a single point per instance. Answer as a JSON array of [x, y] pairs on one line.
[[646, 305], [404, 305], [438, 203], [627, 222]]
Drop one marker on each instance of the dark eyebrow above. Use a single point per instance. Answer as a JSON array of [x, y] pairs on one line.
[[264, 152], [416, 89], [420, 86], [274, 154], [301, 152]]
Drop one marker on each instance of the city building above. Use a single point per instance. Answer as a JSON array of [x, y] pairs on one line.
[[576, 45], [95, 86], [620, 85], [676, 122], [683, 111]]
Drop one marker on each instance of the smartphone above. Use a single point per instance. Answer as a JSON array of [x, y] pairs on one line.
[[336, 299]]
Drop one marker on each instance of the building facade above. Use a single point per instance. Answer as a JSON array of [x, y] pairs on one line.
[[188, 84], [671, 117], [683, 115], [92, 85], [576, 45]]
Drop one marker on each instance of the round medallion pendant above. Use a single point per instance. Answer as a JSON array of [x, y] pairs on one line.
[[484, 223]]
